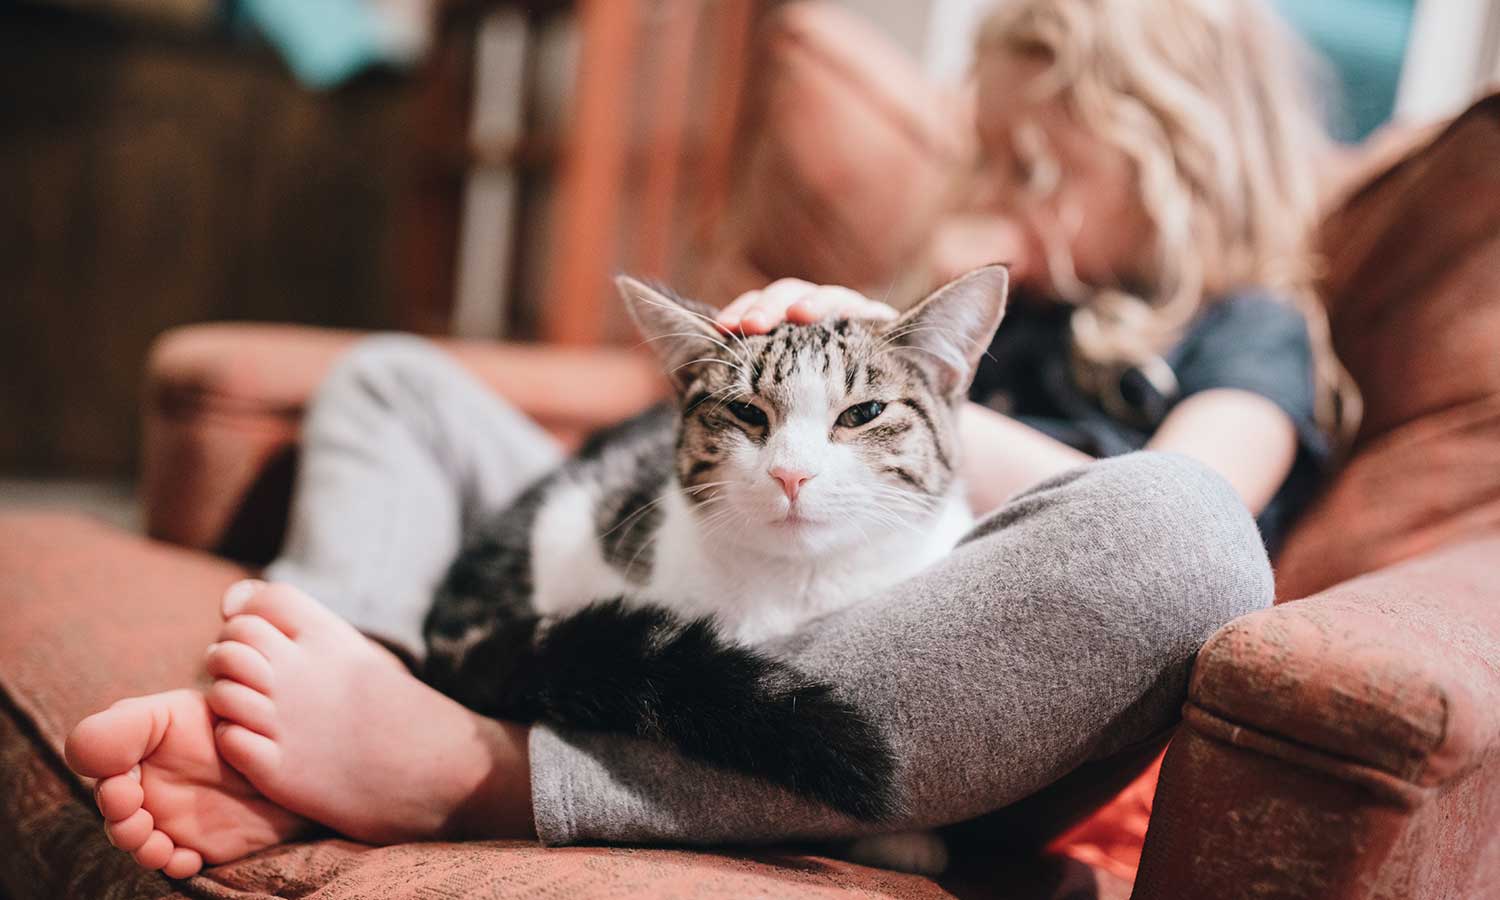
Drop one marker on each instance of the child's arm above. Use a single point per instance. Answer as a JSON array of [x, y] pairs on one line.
[[1243, 436], [1003, 457]]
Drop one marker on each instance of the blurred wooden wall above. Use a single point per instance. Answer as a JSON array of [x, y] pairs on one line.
[[150, 179]]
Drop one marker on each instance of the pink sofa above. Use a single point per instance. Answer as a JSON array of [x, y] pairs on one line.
[[1344, 744]]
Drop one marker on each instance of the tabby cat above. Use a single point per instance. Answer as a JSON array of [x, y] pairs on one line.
[[797, 473]]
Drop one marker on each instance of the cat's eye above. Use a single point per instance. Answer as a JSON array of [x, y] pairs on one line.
[[748, 413], [860, 413]]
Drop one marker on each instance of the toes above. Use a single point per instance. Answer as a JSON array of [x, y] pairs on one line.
[[237, 594], [284, 606], [251, 753], [155, 852], [183, 863], [111, 742], [119, 795], [242, 705], [239, 662], [256, 633], [131, 832]]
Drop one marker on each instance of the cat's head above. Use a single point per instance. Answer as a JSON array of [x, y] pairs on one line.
[[814, 437]]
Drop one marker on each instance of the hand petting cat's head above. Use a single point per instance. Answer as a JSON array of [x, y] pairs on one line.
[[816, 437]]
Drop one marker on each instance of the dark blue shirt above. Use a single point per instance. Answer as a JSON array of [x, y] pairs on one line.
[[1248, 341]]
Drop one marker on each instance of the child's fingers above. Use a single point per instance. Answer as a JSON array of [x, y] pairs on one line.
[[769, 310], [838, 303], [798, 301], [783, 292], [757, 312], [729, 316]]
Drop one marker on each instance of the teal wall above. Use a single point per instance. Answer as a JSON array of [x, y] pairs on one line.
[[1364, 41]]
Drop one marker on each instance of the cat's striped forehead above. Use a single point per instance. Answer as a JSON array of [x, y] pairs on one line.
[[793, 364]]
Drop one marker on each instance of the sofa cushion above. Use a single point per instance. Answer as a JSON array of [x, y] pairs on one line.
[[1413, 294], [93, 615], [90, 616]]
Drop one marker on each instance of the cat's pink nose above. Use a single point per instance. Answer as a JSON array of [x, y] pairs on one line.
[[791, 481]]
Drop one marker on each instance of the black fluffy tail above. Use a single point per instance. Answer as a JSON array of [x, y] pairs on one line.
[[641, 671]]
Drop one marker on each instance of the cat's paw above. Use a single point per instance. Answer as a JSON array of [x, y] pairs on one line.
[[919, 852]]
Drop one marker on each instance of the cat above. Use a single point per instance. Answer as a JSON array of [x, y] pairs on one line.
[[796, 473]]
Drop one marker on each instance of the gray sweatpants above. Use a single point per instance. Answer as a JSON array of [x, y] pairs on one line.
[[1052, 648]]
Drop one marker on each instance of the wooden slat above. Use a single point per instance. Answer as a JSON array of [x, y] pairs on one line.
[[673, 83], [583, 248], [731, 50]]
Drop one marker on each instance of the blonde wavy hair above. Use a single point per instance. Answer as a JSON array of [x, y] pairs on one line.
[[1210, 100]]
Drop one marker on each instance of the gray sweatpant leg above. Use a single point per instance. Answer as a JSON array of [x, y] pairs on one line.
[[1061, 632], [401, 451]]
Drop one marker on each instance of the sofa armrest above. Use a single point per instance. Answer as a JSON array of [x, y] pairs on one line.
[[1341, 746], [223, 404], [1393, 670]]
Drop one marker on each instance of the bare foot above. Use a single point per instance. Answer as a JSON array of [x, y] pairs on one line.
[[330, 725], [167, 797]]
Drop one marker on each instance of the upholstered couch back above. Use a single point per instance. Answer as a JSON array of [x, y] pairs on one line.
[[1413, 292]]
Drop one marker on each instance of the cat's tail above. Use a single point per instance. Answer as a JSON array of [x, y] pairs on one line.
[[641, 671]]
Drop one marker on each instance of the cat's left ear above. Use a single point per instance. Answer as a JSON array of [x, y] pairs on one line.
[[680, 331], [949, 331]]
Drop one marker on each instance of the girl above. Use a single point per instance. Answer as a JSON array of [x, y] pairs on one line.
[[1150, 170], [1154, 164]]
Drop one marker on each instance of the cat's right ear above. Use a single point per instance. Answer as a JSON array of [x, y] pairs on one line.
[[681, 332]]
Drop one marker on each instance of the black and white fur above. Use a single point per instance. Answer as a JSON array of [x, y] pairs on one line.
[[627, 592]]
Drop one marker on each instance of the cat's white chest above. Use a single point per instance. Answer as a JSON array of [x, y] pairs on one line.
[[755, 598], [695, 572]]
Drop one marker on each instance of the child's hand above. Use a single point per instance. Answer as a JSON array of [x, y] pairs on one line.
[[799, 302]]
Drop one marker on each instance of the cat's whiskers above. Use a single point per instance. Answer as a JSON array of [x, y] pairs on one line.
[[697, 335], [696, 489], [633, 517], [892, 520], [881, 513], [945, 360], [728, 394], [709, 320], [726, 519], [926, 502], [716, 521], [704, 359], [862, 533], [887, 340], [648, 542], [898, 509], [636, 517], [707, 484], [902, 330], [707, 503], [909, 519], [714, 325], [737, 361], [731, 391]]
